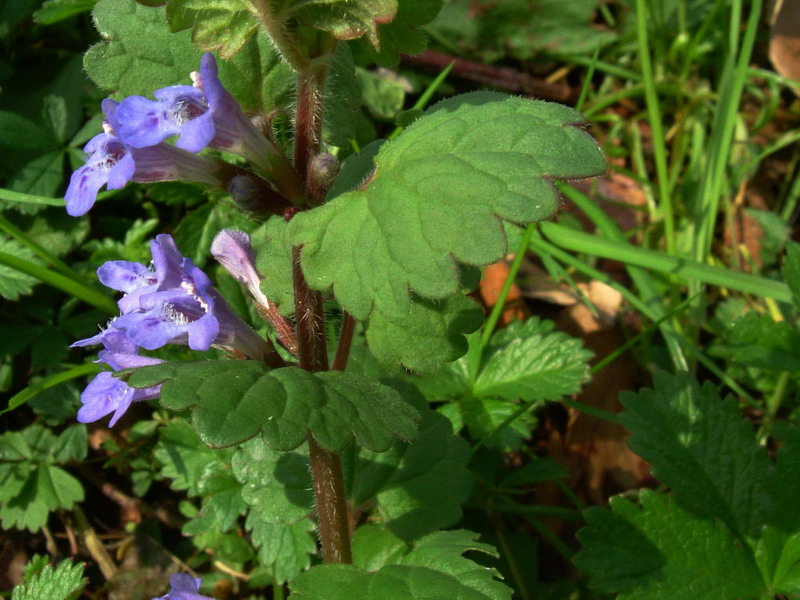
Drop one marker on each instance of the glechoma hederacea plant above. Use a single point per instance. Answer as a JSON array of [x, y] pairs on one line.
[[394, 237]]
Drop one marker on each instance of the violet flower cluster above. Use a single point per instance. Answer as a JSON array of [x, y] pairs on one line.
[[133, 147], [170, 302]]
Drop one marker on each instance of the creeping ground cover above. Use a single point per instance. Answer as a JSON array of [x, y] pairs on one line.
[[399, 299]]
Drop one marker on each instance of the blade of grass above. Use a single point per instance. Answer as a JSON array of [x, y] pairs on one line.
[[655, 119], [13, 196], [426, 96], [57, 280], [683, 268], [48, 382]]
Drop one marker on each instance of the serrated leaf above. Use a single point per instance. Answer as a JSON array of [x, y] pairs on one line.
[[483, 416], [276, 485], [13, 283], [286, 548], [419, 487], [232, 401], [784, 485], [663, 552], [439, 193], [223, 25], [184, 457], [701, 448], [62, 583], [530, 361]]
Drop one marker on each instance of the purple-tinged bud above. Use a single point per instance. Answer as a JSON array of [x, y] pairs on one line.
[[322, 171], [233, 250], [255, 196]]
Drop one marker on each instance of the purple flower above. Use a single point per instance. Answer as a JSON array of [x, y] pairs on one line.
[[174, 302], [114, 163], [107, 394], [203, 115], [184, 587]]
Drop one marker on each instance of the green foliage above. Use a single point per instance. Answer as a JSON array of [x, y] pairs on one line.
[[274, 262], [526, 362], [14, 283], [223, 25], [54, 11], [31, 483], [758, 340], [522, 28], [731, 530], [791, 270], [662, 551], [478, 166], [65, 582], [343, 19], [434, 568], [401, 35], [232, 401], [138, 54], [419, 487]]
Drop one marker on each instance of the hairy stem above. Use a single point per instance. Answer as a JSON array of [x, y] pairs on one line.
[[332, 511], [308, 124], [345, 341]]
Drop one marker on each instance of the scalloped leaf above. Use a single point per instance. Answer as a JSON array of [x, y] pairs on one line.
[[438, 195], [232, 401]]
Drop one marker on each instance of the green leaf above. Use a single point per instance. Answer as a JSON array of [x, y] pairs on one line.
[[757, 340], [232, 401], [64, 582], [701, 448], [383, 94], [530, 361], [444, 550], [276, 485], [222, 501], [483, 157], [184, 457], [401, 35], [434, 569], [54, 11], [375, 546], [483, 416], [425, 334], [342, 99], [791, 270], [33, 491], [40, 177], [274, 262], [286, 548], [138, 54], [343, 19], [14, 283], [71, 444], [663, 552], [784, 485], [419, 487], [223, 25]]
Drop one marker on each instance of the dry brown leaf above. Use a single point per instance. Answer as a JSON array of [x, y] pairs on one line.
[[784, 43], [494, 277]]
